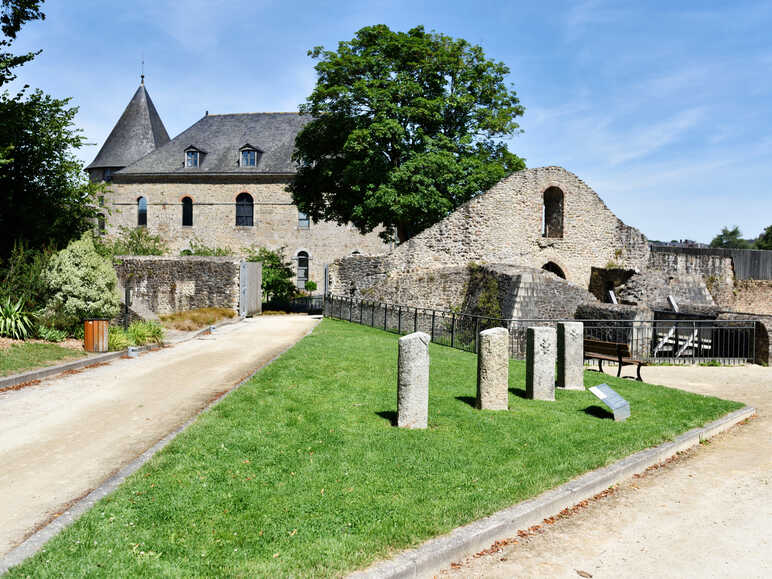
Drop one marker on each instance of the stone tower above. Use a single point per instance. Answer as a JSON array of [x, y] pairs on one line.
[[138, 132]]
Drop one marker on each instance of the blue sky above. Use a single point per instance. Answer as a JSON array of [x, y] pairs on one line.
[[664, 108]]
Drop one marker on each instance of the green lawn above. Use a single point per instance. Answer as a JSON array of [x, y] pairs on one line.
[[301, 473], [22, 357]]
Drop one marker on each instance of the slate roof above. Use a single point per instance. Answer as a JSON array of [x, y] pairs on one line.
[[221, 137], [138, 132]]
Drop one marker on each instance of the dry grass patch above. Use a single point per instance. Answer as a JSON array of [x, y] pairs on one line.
[[196, 319]]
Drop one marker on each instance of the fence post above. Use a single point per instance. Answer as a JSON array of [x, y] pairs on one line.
[[453, 332], [433, 312], [385, 315], [350, 309], [399, 320], [360, 311], [372, 314], [477, 336], [415, 321]]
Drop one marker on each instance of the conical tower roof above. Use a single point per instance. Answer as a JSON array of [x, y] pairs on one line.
[[138, 132]]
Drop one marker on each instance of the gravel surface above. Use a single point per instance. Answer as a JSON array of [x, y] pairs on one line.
[[63, 437], [706, 514]]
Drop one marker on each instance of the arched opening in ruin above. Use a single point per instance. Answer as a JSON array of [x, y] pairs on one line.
[[552, 218], [553, 267]]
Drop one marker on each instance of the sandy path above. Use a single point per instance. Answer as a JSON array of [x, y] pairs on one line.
[[708, 514], [63, 437]]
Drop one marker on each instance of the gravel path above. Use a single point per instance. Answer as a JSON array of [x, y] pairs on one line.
[[706, 514], [63, 437]]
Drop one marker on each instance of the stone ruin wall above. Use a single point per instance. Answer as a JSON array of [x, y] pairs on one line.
[[751, 295], [504, 225], [714, 272], [165, 285]]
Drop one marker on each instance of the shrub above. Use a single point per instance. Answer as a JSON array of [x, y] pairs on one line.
[[277, 274], [197, 247], [117, 339], [50, 334], [21, 276], [310, 286], [14, 321], [82, 284], [141, 333], [138, 241]]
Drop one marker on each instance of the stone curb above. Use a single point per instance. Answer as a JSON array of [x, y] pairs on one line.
[[41, 373], [35, 542], [435, 554]]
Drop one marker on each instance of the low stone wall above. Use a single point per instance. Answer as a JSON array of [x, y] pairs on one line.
[[753, 296], [164, 285]]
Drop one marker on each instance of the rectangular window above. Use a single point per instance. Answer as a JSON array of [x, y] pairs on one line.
[[303, 221], [191, 158], [248, 158], [108, 175]]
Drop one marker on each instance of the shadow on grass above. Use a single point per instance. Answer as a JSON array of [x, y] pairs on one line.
[[598, 412], [518, 392], [471, 400], [390, 415]]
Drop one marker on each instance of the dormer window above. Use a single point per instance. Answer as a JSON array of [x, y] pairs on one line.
[[193, 157], [249, 156]]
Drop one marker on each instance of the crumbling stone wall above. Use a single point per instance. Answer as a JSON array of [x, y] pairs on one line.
[[716, 272], [164, 285], [753, 296], [504, 225]]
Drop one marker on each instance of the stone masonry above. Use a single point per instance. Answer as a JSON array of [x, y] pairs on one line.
[[571, 355], [413, 381], [493, 370], [540, 363]]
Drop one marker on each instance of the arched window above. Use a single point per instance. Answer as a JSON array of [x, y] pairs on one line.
[[141, 212], [302, 269], [187, 212], [356, 252], [553, 212], [553, 267], [244, 210]]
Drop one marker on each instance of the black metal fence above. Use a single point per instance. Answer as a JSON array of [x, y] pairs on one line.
[[665, 341]]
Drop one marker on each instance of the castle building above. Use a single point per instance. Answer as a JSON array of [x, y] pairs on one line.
[[221, 182]]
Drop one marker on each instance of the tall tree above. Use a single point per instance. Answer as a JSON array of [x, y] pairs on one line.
[[13, 14], [765, 239], [730, 239], [405, 128]]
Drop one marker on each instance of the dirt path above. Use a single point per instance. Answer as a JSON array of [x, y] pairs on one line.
[[707, 514], [63, 437]]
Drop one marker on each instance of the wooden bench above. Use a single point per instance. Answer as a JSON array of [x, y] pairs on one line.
[[611, 352]]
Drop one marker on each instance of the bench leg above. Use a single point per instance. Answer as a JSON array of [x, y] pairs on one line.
[[639, 374], [619, 369], [600, 365]]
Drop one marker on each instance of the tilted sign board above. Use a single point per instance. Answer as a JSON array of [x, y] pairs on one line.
[[618, 405]]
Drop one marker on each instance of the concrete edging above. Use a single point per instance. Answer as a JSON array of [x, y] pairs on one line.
[[462, 542], [41, 373]]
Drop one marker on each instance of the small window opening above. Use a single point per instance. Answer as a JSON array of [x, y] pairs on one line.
[[244, 210], [107, 176], [302, 269], [191, 158], [303, 221], [141, 212], [187, 212], [553, 213], [553, 267], [248, 158]]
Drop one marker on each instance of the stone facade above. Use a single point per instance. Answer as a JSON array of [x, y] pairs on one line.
[[164, 285], [276, 222], [753, 296], [506, 225]]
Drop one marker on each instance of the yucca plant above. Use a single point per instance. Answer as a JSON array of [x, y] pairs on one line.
[[14, 323]]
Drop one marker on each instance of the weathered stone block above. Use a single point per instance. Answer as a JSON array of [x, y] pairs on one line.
[[493, 370], [571, 355], [413, 381], [541, 344]]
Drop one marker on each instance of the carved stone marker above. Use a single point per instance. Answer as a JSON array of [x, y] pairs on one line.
[[618, 405], [571, 355], [493, 370], [540, 363], [413, 381]]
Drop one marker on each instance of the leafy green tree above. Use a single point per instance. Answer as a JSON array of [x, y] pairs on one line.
[[277, 274], [13, 14], [82, 284], [138, 241], [765, 239], [730, 239], [404, 130]]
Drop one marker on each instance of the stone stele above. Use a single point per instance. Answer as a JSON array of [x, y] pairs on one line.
[[493, 370], [571, 355], [540, 363], [413, 381]]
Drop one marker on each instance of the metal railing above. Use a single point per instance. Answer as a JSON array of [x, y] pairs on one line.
[[663, 341]]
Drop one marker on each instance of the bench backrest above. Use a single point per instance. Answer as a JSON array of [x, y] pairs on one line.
[[607, 348]]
